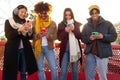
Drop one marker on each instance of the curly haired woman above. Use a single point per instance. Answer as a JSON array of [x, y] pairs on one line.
[[45, 34]]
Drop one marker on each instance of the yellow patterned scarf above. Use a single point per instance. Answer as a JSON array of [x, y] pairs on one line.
[[40, 24]]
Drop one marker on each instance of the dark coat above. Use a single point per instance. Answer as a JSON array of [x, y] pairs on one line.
[[103, 45], [10, 67], [63, 37]]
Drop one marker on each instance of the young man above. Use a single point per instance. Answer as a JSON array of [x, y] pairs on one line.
[[97, 34]]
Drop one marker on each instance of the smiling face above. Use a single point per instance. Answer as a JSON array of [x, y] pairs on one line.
[[68, 15], [95, 15], [43, 15], [22, 13]]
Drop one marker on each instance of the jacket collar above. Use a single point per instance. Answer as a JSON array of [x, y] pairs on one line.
[[101, 20]]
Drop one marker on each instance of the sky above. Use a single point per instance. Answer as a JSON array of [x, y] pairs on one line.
[[109, 9]]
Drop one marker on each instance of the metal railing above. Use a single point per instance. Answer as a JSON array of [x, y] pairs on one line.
[[113, 65]]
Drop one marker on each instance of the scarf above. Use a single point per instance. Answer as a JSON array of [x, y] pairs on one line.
[[15, 25], [74, 45], [75, 53], [40, 24]]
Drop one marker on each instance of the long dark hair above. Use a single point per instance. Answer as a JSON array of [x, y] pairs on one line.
[[16, 17], [71, 12]]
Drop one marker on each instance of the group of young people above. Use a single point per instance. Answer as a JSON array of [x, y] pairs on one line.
[[19, 55]]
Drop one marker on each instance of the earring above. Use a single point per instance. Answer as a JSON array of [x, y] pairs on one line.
[[15, 11]]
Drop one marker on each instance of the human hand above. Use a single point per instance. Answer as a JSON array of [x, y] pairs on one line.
[[71, 27], [67, 29], [39, 35], [99, 36], [28, 25], [47, 35], [92, 37]]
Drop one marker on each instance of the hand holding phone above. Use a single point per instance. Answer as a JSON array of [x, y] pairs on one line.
[[43, 30]]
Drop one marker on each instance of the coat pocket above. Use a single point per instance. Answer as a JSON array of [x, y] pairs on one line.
[[105, 52]]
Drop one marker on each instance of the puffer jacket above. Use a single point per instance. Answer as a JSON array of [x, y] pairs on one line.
[[104, 45]]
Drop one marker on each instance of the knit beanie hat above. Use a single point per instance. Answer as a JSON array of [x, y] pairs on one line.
[[93, 7]]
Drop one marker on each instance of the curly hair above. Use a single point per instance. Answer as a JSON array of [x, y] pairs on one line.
[[41, 7]]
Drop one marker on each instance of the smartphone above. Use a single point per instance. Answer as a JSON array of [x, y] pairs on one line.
[[95, 33], [43, 30], [27, 21]]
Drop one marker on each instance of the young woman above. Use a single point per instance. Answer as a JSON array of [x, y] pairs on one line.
[[18, 53], [45, 34], [68, 47]]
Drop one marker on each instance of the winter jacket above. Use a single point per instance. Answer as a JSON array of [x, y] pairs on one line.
[[104, 45]]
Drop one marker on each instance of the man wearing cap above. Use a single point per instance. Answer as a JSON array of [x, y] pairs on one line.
[[97, 34]]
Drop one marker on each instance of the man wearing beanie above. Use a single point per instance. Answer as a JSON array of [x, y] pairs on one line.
[[97, 34]]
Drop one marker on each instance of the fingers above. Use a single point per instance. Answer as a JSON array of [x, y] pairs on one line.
[[69, 28], [94, 37]]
